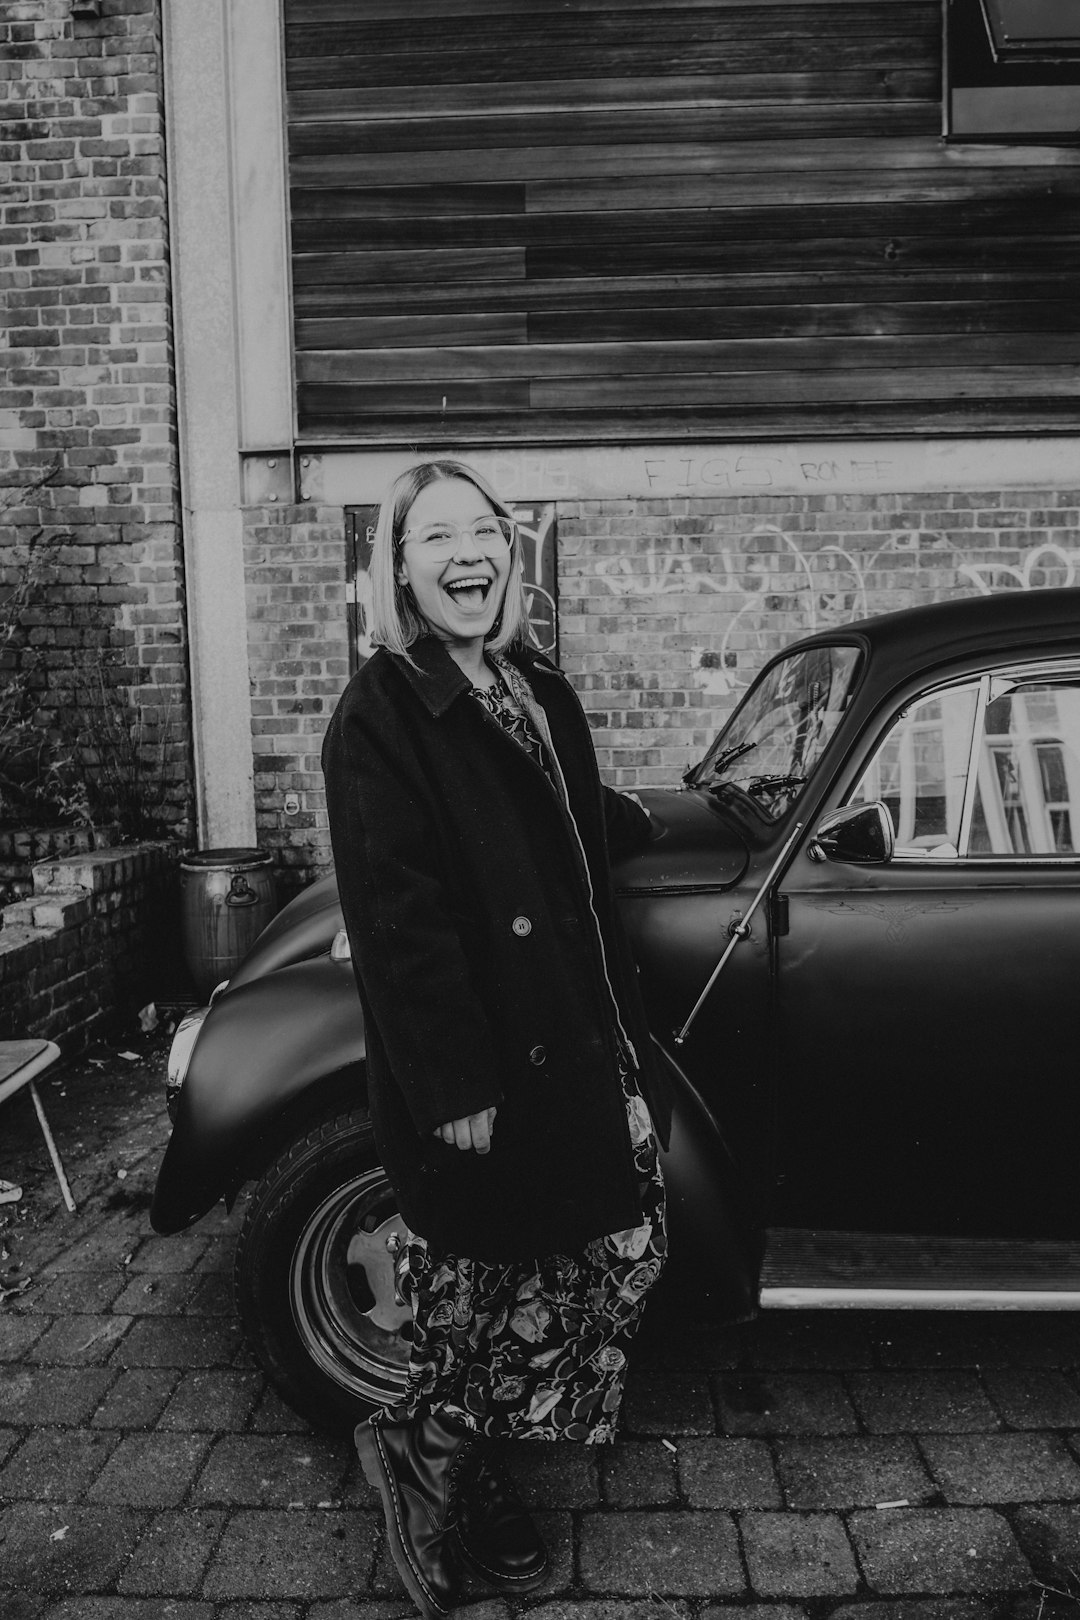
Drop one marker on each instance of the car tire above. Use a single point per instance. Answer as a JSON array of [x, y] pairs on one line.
[[314, 1279]]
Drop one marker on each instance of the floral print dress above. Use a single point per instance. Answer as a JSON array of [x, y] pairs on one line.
[[535, 1350]]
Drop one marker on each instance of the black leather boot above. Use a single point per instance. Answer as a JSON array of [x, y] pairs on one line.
[[499, 1541], [414, 1467]]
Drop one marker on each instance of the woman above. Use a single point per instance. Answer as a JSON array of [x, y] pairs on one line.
[[510, 1084]]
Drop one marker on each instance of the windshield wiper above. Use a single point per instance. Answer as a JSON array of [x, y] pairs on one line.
[[772, 784], [722, 761]]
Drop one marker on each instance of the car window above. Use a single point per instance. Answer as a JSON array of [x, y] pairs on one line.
[[982, 769], [920, 771], [778, 733], [1027, 788]]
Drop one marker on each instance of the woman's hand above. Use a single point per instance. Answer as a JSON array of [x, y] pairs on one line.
[[474, 1131]]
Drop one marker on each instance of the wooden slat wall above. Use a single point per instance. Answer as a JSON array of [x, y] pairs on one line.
[[613, 219]]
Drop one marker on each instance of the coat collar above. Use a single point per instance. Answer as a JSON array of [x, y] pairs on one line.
[[437, 680]]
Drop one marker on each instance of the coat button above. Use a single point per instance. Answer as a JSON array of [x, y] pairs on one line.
[[522, 927], [538, 1056]]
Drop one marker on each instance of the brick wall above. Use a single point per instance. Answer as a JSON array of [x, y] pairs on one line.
[[22, 848], [88, 944], [667, 609], [298, 658], [87, 397]]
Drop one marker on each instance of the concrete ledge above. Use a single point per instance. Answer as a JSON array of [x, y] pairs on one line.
[[61, 909], [97, 872]]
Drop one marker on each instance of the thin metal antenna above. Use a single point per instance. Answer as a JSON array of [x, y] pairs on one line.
[[741, 931]]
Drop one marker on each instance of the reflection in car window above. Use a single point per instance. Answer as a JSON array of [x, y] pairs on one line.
[[987, 768], [778, 733], [920, 772], [1028, 775]]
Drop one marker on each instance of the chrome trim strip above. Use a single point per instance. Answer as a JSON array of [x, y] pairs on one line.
[[1047, 669], [971, 775], [979, 863], [791, 1298]]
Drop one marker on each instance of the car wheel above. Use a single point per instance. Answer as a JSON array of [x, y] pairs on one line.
[[315, 1281]]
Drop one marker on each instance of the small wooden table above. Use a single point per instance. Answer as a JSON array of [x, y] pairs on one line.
[[20, 1064]]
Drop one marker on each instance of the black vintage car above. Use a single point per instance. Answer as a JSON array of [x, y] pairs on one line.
[[858, 930]]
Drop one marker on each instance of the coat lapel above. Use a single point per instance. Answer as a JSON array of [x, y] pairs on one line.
[[437, 680]]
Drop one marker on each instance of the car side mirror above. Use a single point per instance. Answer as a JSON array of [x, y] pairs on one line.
[[861, 834]]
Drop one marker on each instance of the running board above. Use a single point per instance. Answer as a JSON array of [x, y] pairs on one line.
[[811, 1270]]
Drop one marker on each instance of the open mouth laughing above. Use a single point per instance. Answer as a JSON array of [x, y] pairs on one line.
[[470, 590]]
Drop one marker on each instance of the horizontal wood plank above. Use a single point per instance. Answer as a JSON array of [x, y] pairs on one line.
[[426, 68], [410, 80], [857, 254], [450, 264], [662, 393], [530, 97], [954, 318], [304, 13], [946, 382], [600, 161], [623, 361], [412, 331], [446, 399], [456, 31], [726, 255], [449, 200], [806, 418], [858, 186], [605, 325], [737, 121], [696, 295], [679, 229]]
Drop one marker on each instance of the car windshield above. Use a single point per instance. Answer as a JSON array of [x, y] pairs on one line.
[[779, 732]]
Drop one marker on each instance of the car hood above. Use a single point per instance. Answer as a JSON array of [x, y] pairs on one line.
[[692, 846]]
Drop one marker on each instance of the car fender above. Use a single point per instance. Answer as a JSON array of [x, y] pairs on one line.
[[266, 1049], [255, 1063], [714, 1248]]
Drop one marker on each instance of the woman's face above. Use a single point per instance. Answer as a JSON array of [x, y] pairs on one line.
[[459, 595]]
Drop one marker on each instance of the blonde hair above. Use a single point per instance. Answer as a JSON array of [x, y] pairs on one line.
[[395, 621]]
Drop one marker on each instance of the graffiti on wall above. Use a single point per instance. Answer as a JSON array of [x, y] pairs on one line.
[[1043, 567], [768, 572]]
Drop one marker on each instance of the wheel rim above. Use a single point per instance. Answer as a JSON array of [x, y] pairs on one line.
[[341, 1286]]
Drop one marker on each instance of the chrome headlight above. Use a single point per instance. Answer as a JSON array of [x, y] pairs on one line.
[[183, 1044], [340, 950]]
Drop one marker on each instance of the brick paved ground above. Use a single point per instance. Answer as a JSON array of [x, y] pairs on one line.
[[147, 1471]]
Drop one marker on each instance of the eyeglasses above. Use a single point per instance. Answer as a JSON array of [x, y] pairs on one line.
[[489, 535]]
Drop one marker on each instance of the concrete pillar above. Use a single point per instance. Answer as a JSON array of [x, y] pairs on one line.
[[229, 257]]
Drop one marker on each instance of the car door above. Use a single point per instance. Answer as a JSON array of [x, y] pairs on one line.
[[927, 1009]]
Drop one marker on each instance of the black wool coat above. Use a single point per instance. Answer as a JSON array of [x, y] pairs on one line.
[[490, 962]]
